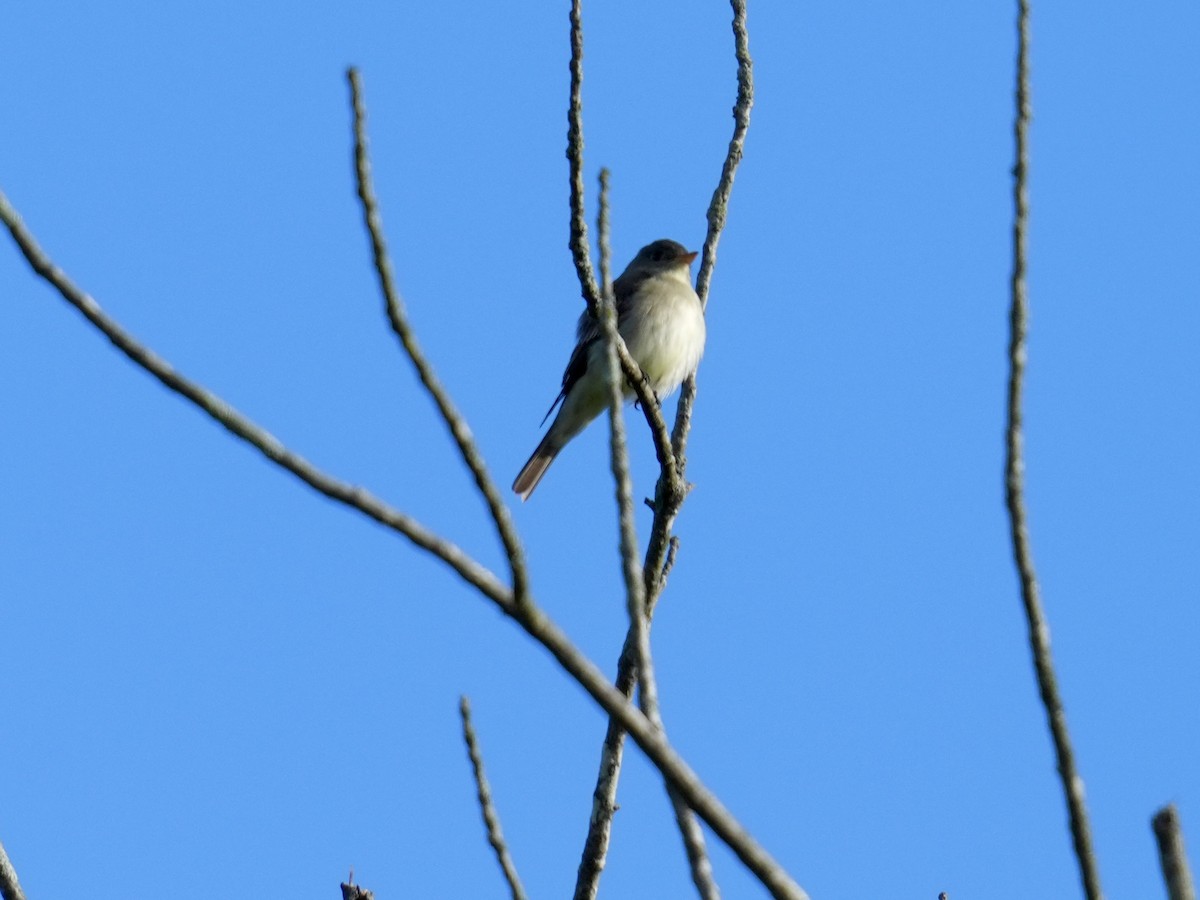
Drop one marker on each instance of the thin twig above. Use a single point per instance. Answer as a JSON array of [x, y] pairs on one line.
[[604, 236], [646, 397], [669, 564], [1039, 630], [578, 243], [491, 819], [10, 886], [671, 491], [719, 206], [718, 210], [398, 317], [1172, 855], [534, 622], [639, 621]]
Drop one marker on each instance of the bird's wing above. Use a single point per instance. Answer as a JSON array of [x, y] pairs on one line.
[[587, 332], [625, 289]]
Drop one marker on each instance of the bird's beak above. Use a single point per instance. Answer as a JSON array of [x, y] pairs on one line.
[[689, 258]]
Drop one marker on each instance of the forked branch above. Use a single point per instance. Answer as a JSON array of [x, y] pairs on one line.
[[526, 613], [672, 487]]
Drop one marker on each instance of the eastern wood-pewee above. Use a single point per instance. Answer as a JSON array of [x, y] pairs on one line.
[[660, 319]]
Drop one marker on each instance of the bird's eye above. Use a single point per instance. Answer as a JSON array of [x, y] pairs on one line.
[[658, 255]]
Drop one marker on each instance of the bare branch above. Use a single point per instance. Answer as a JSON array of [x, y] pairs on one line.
[[578, 241], [491, 820], [639, 620], [350, 495], [1039, 630], [355, 892], [528, 616], [1172, 855], [652, 410], [10, 886], [582, 258], [718, 207], [671, 496], [604, 235], [671, 491], [398, 317], [717, 212], [672, 552]]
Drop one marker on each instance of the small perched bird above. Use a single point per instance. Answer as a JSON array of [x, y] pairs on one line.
[[661, 321]]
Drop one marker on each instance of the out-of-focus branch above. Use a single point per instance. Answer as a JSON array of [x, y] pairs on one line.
[[491, 819], [527, 615], [10, 886], [635, 591], [604, 235], [398, 317], [1039, 629], [1172, 855], [355, 892]]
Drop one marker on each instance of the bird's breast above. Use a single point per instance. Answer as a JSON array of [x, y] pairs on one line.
[[664, 330]]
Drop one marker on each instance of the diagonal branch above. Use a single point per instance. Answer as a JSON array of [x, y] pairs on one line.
[[398, 318], [534, 622], [491, 819], [1039, 630], [240, 426]]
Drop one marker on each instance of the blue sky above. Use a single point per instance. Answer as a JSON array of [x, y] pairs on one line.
[[213, 676]]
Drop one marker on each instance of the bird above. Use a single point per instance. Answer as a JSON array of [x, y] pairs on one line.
[[660, 318]]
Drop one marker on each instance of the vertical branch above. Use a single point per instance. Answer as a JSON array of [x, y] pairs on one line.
[[398, 318], [635, 591], [1039, 631], [579, 237], [669, 500], [718, 209], [604, 797], [10, 887], [672, 489], [1171, 854], [491, 819], [582, 258], [603, 235]]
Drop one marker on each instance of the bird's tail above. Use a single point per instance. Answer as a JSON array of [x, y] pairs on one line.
[[531, 473]]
